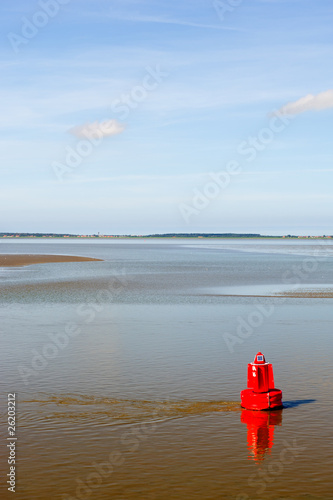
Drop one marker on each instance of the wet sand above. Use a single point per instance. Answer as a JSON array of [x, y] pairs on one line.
[[308, 292], [16, 260], [80, 408], [324, 294], [130, 284]]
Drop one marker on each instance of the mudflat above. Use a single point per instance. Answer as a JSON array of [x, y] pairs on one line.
[[13, 260]]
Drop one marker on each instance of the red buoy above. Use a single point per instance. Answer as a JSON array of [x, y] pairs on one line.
[[260, 393]]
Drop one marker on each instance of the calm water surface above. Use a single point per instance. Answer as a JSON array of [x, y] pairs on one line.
[[128, 371]]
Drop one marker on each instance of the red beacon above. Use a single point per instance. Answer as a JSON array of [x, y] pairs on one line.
[[260, 393]]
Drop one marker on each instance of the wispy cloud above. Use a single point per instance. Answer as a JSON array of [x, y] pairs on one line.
[[310, 102], [108, 128], [168, 20]]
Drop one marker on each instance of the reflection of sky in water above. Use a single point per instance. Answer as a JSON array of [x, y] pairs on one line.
[[160, 271], [155, 340]]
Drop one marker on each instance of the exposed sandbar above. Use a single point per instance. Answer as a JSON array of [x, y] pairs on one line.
[[320, 293], [14, 260], [300, 294]]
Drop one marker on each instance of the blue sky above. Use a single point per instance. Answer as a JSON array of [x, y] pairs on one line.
[[170, 92]]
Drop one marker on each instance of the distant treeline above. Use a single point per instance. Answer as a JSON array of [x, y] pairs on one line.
[[207, 235], [166, 235], [37, 235]]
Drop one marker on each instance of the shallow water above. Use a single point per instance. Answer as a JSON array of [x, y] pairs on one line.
[[128, 376]]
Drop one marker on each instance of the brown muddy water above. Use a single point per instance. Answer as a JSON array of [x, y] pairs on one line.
[[127, 372]]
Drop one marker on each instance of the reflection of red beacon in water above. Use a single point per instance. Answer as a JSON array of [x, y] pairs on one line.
[[260, 393], [260, 431]]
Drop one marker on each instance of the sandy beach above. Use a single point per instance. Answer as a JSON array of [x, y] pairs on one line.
[[15, 260]]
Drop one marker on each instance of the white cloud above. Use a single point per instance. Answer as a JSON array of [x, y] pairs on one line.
[[107, 128], [310, 102]]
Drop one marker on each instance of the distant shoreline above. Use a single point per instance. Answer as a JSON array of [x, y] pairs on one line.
[[17, 260], [158, 236]]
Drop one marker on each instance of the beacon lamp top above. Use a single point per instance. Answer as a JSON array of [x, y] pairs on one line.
[[259, 359], [261, 393]]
